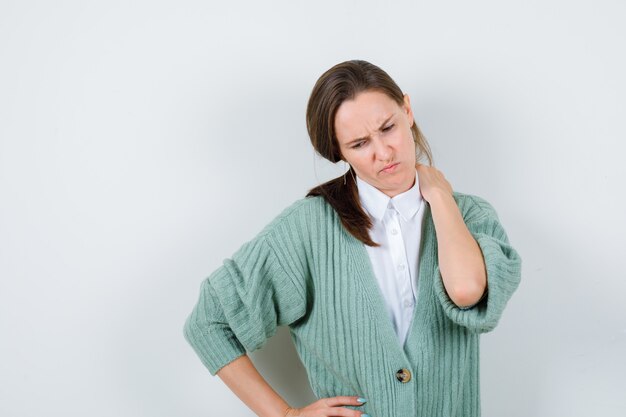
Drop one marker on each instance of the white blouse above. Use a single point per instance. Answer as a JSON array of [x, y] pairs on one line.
[[397, 226]]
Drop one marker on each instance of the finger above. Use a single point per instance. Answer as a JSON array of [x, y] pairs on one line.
[[343, 400], [344, 412]]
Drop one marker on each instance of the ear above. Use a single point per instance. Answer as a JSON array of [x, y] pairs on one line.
[[407, 109]]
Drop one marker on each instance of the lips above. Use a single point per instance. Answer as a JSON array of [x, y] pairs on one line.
[[389, 166]]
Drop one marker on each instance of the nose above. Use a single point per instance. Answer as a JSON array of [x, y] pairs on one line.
[[382, 150]]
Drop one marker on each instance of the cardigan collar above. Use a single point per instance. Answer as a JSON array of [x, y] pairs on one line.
[[375, 202]]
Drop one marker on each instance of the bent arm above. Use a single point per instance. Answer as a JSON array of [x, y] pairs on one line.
[[460, 258], [241, 304], [502, 262]]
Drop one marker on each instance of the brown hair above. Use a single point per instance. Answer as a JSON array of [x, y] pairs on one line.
[[343, 82]]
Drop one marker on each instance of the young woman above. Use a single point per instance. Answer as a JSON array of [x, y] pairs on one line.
[[385, 276]]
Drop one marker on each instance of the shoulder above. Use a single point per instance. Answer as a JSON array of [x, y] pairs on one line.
[[303, 208], [300, 215], [473, 207]]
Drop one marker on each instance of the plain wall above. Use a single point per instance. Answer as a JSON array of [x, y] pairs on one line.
[[141, 143]]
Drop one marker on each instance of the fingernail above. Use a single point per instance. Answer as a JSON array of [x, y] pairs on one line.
[[362, 400]]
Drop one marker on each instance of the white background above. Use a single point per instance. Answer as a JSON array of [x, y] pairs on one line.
[[141, 143]]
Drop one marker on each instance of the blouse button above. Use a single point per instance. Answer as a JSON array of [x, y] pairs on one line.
[[403, 375]]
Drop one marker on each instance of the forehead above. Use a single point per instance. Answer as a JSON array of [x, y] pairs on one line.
[[364, 114]]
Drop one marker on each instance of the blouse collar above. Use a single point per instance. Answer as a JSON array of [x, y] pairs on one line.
[[375, 202]]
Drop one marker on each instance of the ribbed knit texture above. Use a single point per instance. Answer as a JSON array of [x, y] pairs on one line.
[[306, 271]]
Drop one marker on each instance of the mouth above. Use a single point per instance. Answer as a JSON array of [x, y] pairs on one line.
[[390, 167]]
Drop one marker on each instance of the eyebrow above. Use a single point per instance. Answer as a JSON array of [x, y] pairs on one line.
[[368, 137]]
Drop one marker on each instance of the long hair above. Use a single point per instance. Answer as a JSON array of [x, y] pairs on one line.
[[345, 81]]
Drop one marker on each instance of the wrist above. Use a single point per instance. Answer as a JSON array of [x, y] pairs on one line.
[[289, 412], [440, 197]]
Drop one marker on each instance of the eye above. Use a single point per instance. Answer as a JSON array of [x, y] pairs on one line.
[[388, 128], [358, 145]]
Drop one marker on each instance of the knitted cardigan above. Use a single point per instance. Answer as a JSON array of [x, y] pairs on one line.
[[305, 271]]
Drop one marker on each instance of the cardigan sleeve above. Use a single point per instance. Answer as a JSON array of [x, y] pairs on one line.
[[243, 301], [503, 266]]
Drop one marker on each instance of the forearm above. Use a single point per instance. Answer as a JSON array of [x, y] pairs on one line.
[[242, 377], [460, 259]]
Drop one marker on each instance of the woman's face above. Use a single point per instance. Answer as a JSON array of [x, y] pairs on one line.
[[373, 132]]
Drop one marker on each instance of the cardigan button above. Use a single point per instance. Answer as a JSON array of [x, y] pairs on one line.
[[403, 375]]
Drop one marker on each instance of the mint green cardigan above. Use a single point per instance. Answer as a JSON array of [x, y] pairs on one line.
[[305, 271]]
